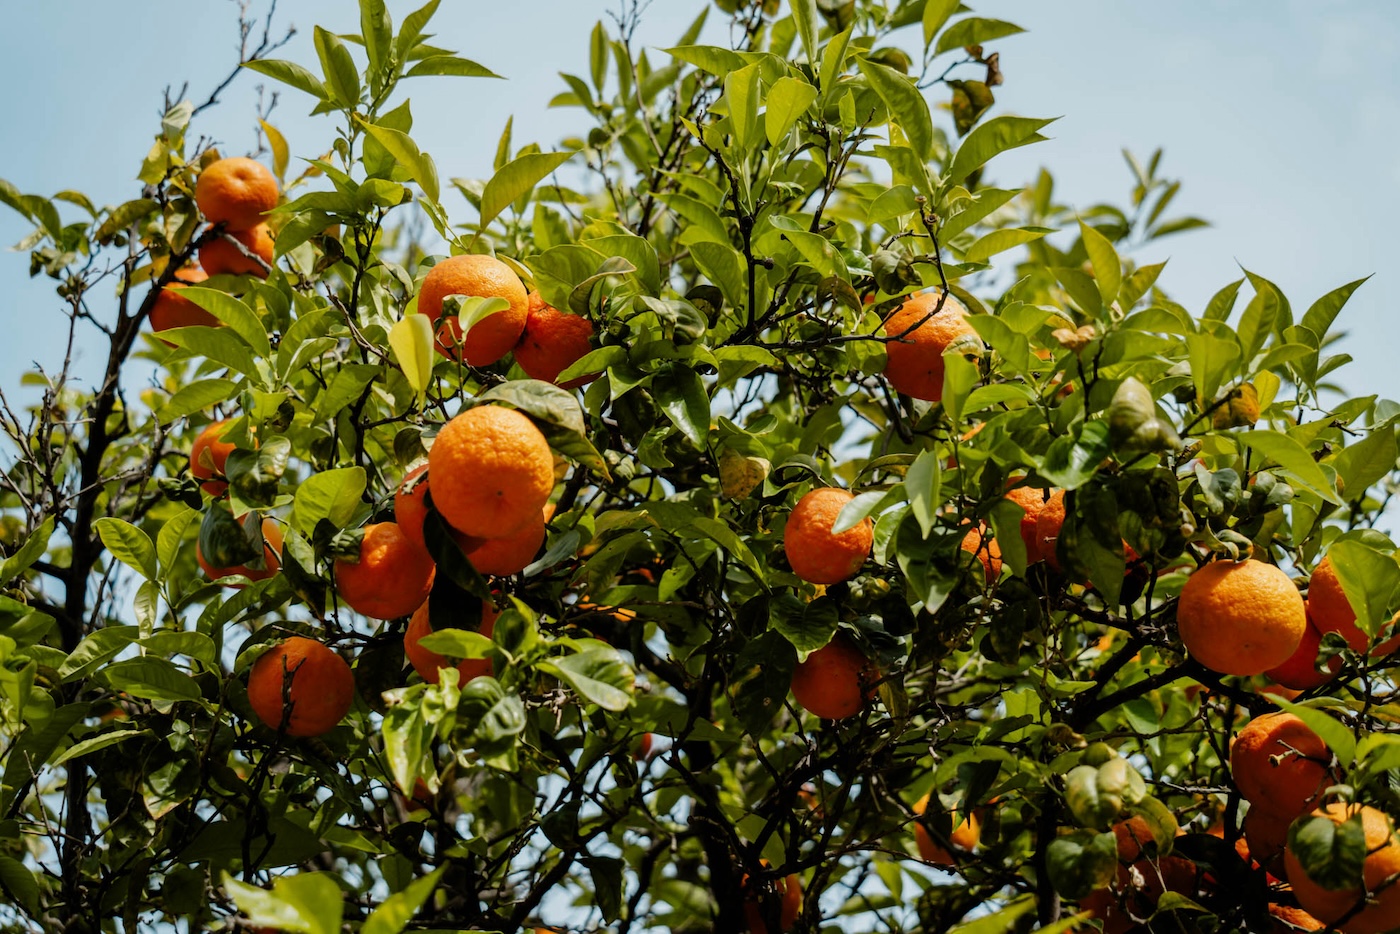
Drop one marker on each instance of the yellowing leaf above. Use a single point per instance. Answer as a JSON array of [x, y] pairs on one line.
[[412, 343]]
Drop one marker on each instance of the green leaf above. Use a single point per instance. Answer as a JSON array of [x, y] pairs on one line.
[[999, 241], [741, 91], [923, 487], [238, 316], [1072, 460], [681, 394], [905, 103], [171, 536], [419, 165], [152, 679], [32, 550], [94, 743], [304, 903], [973, 210], [1333, 732], [1332, 855], [1367, 462], [123, 217], [1108, 268], [515, 180], [995, 136], [377, 30], [1369, 579], [412, 342], [1214, 360], [394, 913], [342, 77], [95, 649], [129, 545], [1319, 317], [808, 626], [805, 16], [834, 61], [936, 14], [599, 675], [974, 30], [498, 713], [26, 756], [1280, 449], [606, 873], [221, 345], [289, 73], [717, 61], [20, 882], [196, 397], [1223, 302], [788, 99], [346, 386], [330, 494], [451, 65]]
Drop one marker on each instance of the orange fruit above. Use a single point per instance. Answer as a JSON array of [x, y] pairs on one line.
[[492, 471], [1240, 617], [313, 680], [1288, 919], [1382, 913], [1279, 764], [427, 662], [642, 751], [171, 310], [209, 455], [272, 558], [1117, 905], [393, 577], [1049, 520], [1266, 833], [816, 554], [986, 549], [552, 342], [1032, 501], [915, 365], [1331, 612], [411, 507], [220, 257], [963, 838], [1299, 671], [787, 893], [835, 681], [478, 276], [236, 192], [508, 554]]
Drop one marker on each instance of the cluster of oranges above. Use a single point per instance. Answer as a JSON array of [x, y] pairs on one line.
[[544, 340], [233, 195]]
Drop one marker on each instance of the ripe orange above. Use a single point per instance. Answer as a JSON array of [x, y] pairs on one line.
[[392, 578], [492, 471], [1117, 905], [642, 751], [1240, 617], [209, 455], [1288, 919], [219, 256], [1266, 832], [1032, 501], [552, 342], [236, 192], [816, 554], [986, 549], [508, 554], [1382, 913], [492, 337], [313, 680], [1331, 612], [915, 365], [1299, 671], [171, 310], [1049, 520], [963, 838], [410, 506], [835, 681], [272, 558], [427, 662], [1279, 764], [759, 905]]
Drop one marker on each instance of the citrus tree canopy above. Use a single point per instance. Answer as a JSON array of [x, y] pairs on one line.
[[746, 516]]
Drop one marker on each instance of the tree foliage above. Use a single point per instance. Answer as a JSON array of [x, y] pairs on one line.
[[736, 225]]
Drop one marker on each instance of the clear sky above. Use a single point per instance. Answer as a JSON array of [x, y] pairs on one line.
[[1280, 118]]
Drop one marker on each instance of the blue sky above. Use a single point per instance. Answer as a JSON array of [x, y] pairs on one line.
[[1281, 119]]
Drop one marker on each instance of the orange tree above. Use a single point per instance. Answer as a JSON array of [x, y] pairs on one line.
[[849, 432]]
